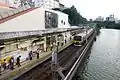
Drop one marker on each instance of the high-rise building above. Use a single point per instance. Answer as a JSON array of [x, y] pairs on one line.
[[111, 17], [48, 4], [117, 20], [61, 6], [11, 3], [100, 18], [107, 18], [14, 3], [90, 20]]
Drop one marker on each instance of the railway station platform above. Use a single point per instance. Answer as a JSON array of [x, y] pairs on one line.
[[29, 64]]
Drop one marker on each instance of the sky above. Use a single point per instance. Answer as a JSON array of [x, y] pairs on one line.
[[94, 8]]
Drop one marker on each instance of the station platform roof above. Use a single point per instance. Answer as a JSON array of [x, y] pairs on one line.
[[18, 34], [4, 7]]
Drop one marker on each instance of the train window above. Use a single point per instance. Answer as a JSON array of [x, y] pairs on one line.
[[77, 38]]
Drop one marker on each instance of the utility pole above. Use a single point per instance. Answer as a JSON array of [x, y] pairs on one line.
[[54, 65], [56, 69]]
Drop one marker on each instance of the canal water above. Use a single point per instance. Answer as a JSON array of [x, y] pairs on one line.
[[103, 59]]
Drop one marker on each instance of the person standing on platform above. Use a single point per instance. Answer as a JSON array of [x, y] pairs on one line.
[[37, 53], [18, 61], [7, 64], [4, 64], [12, 63], [30, 55], [46, 48], [65, 41]]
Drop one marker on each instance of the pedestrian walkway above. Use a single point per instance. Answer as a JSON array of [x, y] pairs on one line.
[[29, 64]]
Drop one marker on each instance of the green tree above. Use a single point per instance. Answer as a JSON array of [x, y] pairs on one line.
[[74, 17]]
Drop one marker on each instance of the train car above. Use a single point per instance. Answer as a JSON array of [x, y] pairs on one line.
[[80, 39], [89, 33]]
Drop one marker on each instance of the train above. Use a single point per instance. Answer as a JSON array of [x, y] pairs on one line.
[[81, 38]]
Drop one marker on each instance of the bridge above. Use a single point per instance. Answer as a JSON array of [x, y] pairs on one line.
[[20, 33]]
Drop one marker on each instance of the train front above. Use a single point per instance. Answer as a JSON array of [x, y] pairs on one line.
[[77, 40]]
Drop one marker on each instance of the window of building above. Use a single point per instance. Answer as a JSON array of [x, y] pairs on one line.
[[61, 21], [51, 20], [64, 23]]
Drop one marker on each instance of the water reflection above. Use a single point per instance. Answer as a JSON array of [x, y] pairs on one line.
[[104, 60]]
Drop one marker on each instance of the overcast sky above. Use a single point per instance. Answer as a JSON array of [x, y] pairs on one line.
[[94, 8]]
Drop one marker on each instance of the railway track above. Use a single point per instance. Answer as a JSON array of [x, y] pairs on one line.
[[66, 58], [71, 53], [63, 58], [44, 71]]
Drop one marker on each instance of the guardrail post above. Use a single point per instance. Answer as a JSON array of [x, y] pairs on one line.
[[54, 65]]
